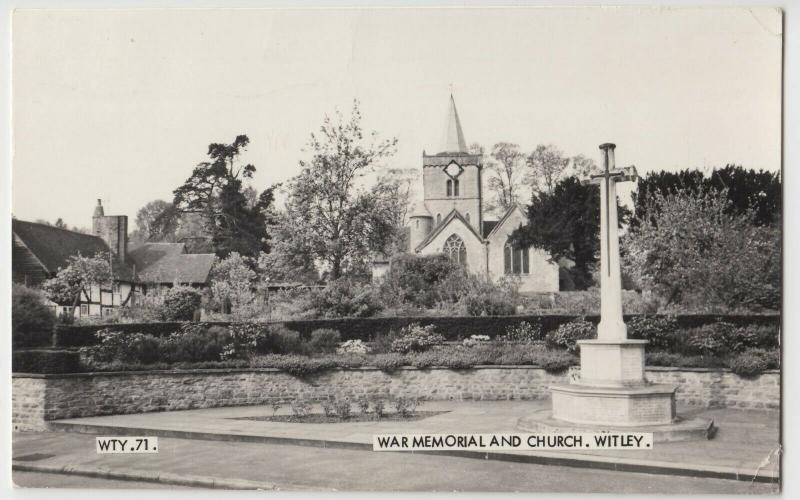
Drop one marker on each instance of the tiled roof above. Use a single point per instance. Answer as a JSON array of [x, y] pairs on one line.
[[488, 225], [53, 246], [168, 263]]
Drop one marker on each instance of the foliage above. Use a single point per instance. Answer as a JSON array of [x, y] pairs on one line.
[[345, 298], [232, 282], [196, 343], [378, 407], [659, 331], [746, 191], [723, 338], [389, 362], [565, 221], [523, 332], [328, 217], [80, 275], [504, 171], [324, 340], [406, 407], [416, 338], [567, 335], [556, 361], [546, 165], [45, 361], [418, 280], [690, 248], [487, 299], [215, 191], [276, 339], [343, 408], [754, 362], [300, 408], [32, 321], [356, 346], [180, 303], [124, 347], [474, 340]]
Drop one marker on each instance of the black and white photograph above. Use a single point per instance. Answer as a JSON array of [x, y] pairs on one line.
[[397, 249]]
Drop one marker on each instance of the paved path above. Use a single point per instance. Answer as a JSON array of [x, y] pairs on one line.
[[745, 445], [298, 467]]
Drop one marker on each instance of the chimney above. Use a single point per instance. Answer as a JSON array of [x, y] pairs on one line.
[[113, 229]]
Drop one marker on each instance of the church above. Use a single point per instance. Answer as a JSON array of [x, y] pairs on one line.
[[450, 219]]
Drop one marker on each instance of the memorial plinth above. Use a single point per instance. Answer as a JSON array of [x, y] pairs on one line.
[[612, 391]]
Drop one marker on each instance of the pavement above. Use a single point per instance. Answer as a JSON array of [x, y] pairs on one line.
[[745, 446], [217, 464]]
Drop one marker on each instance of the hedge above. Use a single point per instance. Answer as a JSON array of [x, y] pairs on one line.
[[45, 361], [452, 328]]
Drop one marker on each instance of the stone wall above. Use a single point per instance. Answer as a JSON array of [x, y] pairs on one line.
[[38, 398]]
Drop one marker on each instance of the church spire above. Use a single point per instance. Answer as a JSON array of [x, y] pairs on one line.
[[453, 135]]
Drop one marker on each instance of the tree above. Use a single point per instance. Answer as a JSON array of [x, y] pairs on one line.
[[233, 281], [744, 189], [60, 223], [691, 248], [396, 185], [149, 216], [546, 166], [583, 167], [566, 223], [328, 217], [503, 181], [215, 191], [77, 279]]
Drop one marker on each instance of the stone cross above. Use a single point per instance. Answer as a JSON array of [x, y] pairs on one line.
[[611, 326]]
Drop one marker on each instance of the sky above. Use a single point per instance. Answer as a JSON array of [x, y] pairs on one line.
[[121, 105]]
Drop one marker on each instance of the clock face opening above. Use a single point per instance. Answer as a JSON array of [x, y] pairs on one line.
[[453, 170]]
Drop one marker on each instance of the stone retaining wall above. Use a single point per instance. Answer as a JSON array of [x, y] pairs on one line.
[[39, 398]]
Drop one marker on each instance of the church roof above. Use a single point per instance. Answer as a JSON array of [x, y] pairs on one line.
[[497, 224], [420, 210], [454, 214], [488, 226], [453, 141]]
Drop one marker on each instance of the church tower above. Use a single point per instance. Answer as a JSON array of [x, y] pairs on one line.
[[452, 177]]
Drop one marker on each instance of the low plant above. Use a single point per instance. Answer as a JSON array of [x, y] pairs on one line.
[[416, 338], [356, 346], [275, 407], [557, 361], [328, 407], [363, 405], [389, 362], [403, 406], [567, 335], [300, 408], [659, 331], [523, 332], [474, 340], [379, 408], [343, 408], [324, 340], [753, 362]]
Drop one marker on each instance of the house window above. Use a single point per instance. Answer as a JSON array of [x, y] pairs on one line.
[[108, 311], [455, 249], [515, 259], [115, 287], [84, 310]]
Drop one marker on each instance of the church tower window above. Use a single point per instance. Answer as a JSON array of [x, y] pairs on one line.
[[449, 187], [515, 259], [438, 218], [466, 216], [455, 187], [455, 249]]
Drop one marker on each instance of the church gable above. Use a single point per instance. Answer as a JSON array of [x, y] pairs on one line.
[[453, 222], [511, 220]]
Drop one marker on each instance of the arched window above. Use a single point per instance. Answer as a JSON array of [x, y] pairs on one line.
[[455, 187], [466, 216], [449, 187], [515, 259], [438, 218], [417, 222], [455, 250]]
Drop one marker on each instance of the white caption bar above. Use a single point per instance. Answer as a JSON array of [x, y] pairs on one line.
[[518, 442], [127, 444]]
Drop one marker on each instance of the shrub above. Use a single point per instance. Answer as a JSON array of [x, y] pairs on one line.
[[486, 299], [475, 340], [300, 408], [353, 347], [404, 407], [343, 408], [327, 407], [379, 406], [343, 298], [243, 342], [278, 339], [389, 362], [382, 342], [32, 321], [556, 361], [180, 303], [523, 332], [324, 340], [416, 338], [196, 342], [567, 335], [416, 279], [753, 362], [124, 348], [660, 331], [709, 340], [45, 361]]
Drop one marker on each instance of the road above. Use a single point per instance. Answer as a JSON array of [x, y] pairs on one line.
[[293, 467]]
